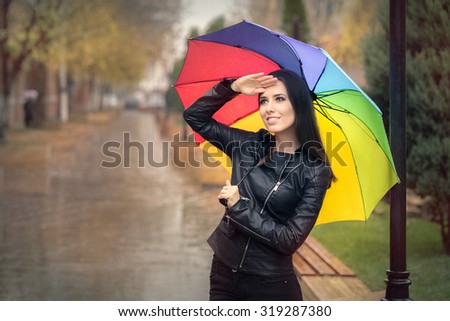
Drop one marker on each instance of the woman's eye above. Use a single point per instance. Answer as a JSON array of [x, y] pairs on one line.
[[280, 99], [262, 101]]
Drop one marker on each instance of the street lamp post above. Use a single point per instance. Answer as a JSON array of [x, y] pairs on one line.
[[398, 282]]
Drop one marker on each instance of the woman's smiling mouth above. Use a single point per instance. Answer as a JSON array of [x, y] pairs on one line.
[[272, 119]]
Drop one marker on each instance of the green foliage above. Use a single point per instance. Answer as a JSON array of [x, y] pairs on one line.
[[295, 10], [344, 46], [110, 40], [429, 169], [194, 33], [375, 49], [216, 24], [27, 31], [364, 247], [428, 94], [98, 50]]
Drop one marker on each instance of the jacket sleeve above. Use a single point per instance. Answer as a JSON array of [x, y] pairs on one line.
[[287, 237], [199, 117]]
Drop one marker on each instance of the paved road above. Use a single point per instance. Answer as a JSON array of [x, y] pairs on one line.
[[78, 231]]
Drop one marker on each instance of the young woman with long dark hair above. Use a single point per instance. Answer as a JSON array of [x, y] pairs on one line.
[[278, 183]]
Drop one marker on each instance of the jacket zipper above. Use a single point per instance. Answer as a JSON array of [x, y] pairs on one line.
[[245, 252], [246, 228], [275, 187]]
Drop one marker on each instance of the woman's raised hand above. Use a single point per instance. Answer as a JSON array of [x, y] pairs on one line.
[[253, 84]]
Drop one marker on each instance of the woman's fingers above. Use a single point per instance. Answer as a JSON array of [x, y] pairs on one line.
[[230, 193], [259, 74], [253, 84], [227, 191], [268, 81]]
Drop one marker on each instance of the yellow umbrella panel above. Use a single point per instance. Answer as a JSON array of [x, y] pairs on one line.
[[364, 171]]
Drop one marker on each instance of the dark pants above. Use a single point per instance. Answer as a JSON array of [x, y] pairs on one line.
[[226, 285]]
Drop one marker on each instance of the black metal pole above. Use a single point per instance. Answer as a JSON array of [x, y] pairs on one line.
[[398, 282]]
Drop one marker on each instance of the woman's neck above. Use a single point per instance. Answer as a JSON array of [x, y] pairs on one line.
[[286, 144]]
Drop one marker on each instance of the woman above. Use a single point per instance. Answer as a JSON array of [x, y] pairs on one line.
[[279, 179]]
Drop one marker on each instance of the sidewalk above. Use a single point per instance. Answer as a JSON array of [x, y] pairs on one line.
[[35, 151], [29, 148]]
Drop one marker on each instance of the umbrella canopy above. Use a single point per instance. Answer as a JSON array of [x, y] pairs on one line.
[[350, 123]]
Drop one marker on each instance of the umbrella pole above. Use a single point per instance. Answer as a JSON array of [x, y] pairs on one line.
[[397, 282]]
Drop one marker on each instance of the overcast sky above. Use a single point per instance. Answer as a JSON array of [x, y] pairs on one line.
[[200, 12]]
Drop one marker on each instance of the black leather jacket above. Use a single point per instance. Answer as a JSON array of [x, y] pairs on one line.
[[280, 197]]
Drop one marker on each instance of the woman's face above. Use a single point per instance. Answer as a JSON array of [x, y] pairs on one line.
[[276, 110]]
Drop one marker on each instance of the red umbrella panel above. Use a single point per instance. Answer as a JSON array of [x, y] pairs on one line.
[[207, 63]]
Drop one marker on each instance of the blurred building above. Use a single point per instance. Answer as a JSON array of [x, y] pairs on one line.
[[154, 86]]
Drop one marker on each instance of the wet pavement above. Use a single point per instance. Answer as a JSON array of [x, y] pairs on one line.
[[71, 229]]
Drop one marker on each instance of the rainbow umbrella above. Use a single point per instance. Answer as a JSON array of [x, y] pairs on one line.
[[350, 123]]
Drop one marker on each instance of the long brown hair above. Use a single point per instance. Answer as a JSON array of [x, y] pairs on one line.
[[306, 127]]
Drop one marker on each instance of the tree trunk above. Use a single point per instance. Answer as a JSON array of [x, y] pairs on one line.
[[63, 93], [3, 117], [4, 7]]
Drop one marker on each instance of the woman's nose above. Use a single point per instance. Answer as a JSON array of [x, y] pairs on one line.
[[270, 107]]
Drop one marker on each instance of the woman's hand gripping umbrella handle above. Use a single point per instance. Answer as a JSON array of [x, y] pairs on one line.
[[229, 194]]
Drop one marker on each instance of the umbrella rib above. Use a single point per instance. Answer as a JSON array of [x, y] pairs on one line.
[[325, 114], [201, 81], [296, 55], [323, 104], [332, 93], [367, 132]]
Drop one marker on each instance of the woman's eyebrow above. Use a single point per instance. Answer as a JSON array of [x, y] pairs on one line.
[[275, 95]]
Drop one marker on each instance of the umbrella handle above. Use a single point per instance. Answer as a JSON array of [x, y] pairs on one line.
[[223, 201]]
